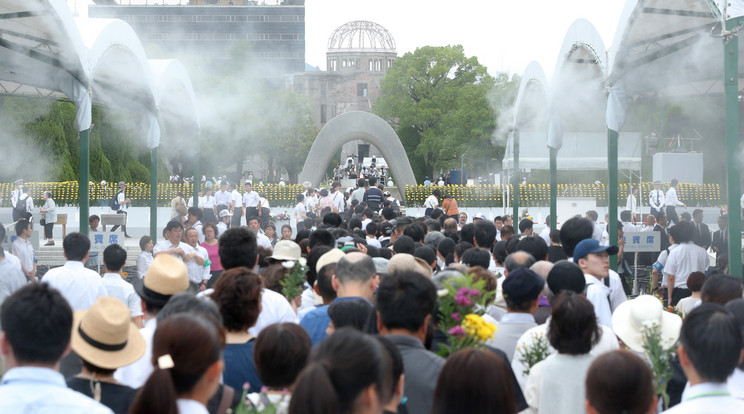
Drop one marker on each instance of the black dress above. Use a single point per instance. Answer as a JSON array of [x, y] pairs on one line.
[[117, 397]]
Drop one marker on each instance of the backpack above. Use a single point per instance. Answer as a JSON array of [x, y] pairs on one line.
[[115, 202], [20, 207]]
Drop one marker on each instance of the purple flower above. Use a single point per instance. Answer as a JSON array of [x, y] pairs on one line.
[[458, 331], [456, 316], [474, 292], [463, 291]]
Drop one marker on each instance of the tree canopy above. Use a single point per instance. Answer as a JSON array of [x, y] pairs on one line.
[[437, 99]]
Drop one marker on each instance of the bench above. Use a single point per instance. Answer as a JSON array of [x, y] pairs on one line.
[[62, 219], [113, 220]]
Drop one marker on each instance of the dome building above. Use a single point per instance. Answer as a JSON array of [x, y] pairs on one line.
[[358, 56]]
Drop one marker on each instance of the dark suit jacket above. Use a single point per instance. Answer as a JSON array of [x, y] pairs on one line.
[[702, 237], [719, 243], [664, 237]]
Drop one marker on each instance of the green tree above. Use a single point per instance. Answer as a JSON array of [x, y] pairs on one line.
[[437, 98]]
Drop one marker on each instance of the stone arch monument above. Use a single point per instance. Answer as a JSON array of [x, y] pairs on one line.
[[351, 126]]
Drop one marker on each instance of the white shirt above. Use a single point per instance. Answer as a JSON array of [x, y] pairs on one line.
[[16, 195], [263, 241], [264, 202], [736, 384], [661, 262], [11, 276], [656, 199], [686, 305], [121, 289], [371, 241], [299, 212], [196, 271], [144, 260], [43, 390], [209, 202], [80, 286], [628, 227], [274, 309], [24, 251], [135, 374], [250, 199], [431, 202], [236, 199], [556, 384], [545, 234], [338, 201], [186, 406], [222, 198], [685, 259], [708, 398], [671, 198], [120, 198], [631, 204], [607, 342], [221, 227], [617, 293], [598, 294], [596, 232], [167, 245], [199, 227]]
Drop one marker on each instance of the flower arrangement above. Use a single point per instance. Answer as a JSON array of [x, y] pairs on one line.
[[525, 215], [292, 283], [265, 406], [534, 352], [674, 310], [659, 359], [461, 304]]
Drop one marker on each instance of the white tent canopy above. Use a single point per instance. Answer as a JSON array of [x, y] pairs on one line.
[[580, 151]]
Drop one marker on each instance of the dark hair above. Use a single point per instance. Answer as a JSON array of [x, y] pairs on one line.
[[187, 302], [143, 242], [114, 257], [555, 236], [324, 279], [355, 223], [93, 217], [685, 216], [214, 228], [172, 225], [302, 234], [625, 215], [280, 353], [194, 343], [712, 339], [273, 277], [525, 224], [196, 212], [299, 197], [592, 215], [312, 260], [474, 381], [683, 232], [405, 299], [736, 308], [416, 231], [573, 231], [340, 368], [720, 289], [695, 281], [352, 313], [404, 244], [461, 248], [371, 229], [619, 382], [237, 247], [476, 257], [22, 224], [484, 233], [37, 321], [287, 226], [446, 247], [535, 246], [76, 246], [573, 328], [321, 237], [499, 252], [426, 253], [507, 231], [360, 269], [238, 295]]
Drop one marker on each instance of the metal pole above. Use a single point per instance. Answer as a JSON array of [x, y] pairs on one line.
[[731, 85], [612, 164], [515, 180], [83, 188], [553, 188], [154, 193]]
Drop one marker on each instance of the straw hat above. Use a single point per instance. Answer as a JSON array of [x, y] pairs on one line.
[[332, 256], [286, 250], [165, 277], [105, 336], [631, 316], [404, 262]]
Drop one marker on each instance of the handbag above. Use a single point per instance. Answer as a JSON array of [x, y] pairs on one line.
[[42, 222]]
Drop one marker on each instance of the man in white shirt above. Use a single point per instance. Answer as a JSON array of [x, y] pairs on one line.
[[198, 266], [193, 221], [358, 194], [123, 200], [625, 219], [709, 351], [255, 226], [165, 277], [80, 286], [682, 261], [236, 206], [173, 245], [238, 248], [114, 258], [24, 250], [222, 198], [656, 198], [250, 202], [671, 201], [11, 274], [594, 262], [15, 195], [596, 228], [37, 324]]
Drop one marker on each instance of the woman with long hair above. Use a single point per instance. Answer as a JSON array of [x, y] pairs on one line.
[[187, 355]]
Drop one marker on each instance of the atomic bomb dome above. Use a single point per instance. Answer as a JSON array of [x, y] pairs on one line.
[[360, 45]]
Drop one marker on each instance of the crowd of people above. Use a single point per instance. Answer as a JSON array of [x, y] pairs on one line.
[[345, 315]]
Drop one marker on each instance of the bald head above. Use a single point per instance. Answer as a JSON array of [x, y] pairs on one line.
[[650, 220], [355, 267], [450, 225], [518, 259], [542, 268]]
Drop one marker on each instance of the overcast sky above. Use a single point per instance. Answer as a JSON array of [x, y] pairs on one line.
[[504, 35]]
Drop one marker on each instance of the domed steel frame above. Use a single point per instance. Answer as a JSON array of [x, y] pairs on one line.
[[361, 35]]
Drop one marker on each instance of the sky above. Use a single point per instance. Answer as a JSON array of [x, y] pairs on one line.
[[504, 35]]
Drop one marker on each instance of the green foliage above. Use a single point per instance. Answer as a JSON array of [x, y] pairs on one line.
[[438, 101]]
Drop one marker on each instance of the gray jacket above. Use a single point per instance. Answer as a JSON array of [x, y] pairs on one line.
[[421, 369]]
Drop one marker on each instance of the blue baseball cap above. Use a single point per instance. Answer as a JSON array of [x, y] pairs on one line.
[[587, 246]]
